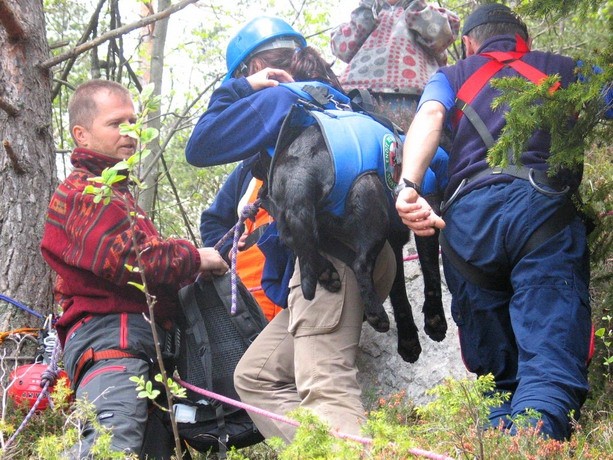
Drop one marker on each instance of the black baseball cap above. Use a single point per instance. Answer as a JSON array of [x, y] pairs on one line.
[[491, 13]]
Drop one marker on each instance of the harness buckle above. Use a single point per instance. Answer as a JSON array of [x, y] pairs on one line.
[[539, 189]]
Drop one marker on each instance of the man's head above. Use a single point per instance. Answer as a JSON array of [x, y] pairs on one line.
[[95, 111], [488, 21]]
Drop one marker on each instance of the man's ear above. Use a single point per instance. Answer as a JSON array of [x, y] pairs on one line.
[[79, 134], [470, 45]]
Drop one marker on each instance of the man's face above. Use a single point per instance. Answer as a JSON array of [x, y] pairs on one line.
[[103, 134]]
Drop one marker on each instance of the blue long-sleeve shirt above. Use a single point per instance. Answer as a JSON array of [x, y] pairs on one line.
[[239, 123], [221, 216]]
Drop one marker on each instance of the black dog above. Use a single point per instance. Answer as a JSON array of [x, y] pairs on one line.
[[300, 182]]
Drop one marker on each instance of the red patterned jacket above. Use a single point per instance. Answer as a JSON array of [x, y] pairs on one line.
[[89, 245]]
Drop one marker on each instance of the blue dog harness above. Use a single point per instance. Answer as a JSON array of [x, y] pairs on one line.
[[358, 144]]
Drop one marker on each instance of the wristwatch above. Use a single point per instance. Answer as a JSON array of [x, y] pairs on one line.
[[404, 184]]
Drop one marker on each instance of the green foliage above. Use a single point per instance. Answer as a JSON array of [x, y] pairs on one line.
[[533, 107], [314, 441], [51, 433], [145, 388], [605, 335]]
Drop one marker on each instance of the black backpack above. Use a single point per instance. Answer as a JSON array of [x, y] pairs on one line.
[[211, 344]]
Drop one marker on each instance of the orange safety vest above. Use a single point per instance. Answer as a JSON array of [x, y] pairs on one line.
[[250, 262]]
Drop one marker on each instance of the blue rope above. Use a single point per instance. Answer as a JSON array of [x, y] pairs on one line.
[[20, 305]]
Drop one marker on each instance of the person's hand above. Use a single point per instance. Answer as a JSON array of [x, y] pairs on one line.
[[211, 263], [416, 213], [268, 77], [240, 245]]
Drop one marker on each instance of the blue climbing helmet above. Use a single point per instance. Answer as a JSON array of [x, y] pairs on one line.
[[260, 34]]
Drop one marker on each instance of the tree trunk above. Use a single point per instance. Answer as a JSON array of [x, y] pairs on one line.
[[27, 161], [154, 75]]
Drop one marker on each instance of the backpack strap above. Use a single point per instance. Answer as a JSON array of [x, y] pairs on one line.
[[190, 309]]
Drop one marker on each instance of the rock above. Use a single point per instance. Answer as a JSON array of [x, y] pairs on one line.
[[382, 372]]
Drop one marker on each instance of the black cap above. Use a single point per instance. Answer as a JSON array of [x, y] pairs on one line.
[[488, 14]]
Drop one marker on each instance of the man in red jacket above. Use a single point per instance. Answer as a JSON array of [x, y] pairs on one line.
[[105, 328]]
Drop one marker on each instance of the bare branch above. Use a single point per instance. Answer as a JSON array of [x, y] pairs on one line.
[[11, 22], [8, 107], [12, 156], [88, 30], [114, 33]]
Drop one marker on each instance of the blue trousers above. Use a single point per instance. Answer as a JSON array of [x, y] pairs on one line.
[[534, 338]]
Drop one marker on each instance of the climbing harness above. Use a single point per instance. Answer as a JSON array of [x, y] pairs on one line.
[[560, 219]]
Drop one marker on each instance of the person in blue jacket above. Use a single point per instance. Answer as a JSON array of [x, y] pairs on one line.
[[514, 248], [306, 356]]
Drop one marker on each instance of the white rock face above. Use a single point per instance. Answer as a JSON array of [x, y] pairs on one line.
[[382, 372]]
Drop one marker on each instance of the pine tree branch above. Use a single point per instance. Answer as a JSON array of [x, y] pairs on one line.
[[113, 34], [11, 22]]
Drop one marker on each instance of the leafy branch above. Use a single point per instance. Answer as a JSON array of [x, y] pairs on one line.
[[103, 188]]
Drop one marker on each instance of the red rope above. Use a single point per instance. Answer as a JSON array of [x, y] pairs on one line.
[[289, 421]]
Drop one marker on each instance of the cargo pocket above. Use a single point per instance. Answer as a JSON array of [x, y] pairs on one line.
[[320, 315]]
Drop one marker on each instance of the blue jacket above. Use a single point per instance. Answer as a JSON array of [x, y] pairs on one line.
[[221, 216], [239, 123]]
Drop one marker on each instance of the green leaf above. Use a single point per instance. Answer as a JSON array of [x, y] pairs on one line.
[[90, 190], [148, 134], [137, 285], [147, 92], [122, 165]]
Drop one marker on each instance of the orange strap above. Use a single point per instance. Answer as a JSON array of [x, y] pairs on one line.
[[91, 356]]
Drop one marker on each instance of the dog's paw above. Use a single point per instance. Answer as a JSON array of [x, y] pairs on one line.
[[435, 327], [378, 319], [435, 324], [409, 349], [330, 279]]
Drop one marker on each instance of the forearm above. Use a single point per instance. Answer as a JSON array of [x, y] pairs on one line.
[[356, 31], [435, 28], [211, 142], [422, 140]]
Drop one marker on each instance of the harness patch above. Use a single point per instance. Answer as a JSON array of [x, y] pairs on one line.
[[391, 160]]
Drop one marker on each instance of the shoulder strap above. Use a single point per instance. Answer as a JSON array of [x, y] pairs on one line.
[[475, 83], [191, 311]]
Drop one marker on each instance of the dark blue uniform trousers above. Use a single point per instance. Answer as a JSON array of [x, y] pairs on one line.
[[535, 338]]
